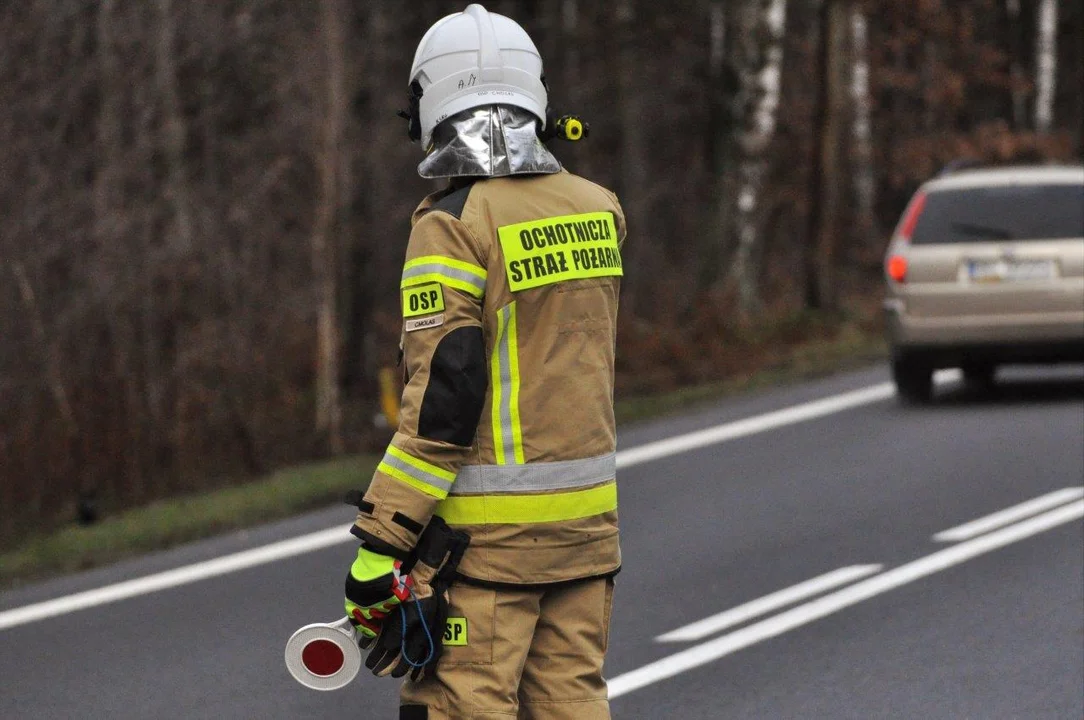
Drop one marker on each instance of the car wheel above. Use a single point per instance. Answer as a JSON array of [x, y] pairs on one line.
[[914, 380], [979, 377]]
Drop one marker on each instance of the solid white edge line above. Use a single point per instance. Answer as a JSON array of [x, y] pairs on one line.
[[172, 578], [331, 536], [756, 424], [1009, 515], [814, 610], [761, 606]]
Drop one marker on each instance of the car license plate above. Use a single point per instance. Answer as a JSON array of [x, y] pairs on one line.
[[1014, 270]]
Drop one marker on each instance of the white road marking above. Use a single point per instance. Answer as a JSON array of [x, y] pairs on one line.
[[1009, 515], [761, 606], [172, 578], [756, 424], [326, 538], [720, 647]]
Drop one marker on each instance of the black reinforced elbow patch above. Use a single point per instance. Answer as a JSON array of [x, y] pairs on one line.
[[456, 393]]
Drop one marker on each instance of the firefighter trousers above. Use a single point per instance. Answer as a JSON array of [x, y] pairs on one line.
[[532, 654]]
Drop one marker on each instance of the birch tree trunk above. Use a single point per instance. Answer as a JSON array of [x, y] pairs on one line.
[[328, 405], [1046, 65], [761, 26], [862, 135]]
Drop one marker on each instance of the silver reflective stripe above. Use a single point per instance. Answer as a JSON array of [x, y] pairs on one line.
[[447, 271], [505, 408], [417, 473], [507, 431], [533, 477]]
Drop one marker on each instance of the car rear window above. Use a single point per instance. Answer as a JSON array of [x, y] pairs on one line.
[[1019, 212]]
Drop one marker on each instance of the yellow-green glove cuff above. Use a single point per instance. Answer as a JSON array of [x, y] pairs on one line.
[[370, 565]]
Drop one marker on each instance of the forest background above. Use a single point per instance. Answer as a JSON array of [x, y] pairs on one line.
[[204, 204]]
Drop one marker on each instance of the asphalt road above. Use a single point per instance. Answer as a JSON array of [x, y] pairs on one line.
[[983, 627]]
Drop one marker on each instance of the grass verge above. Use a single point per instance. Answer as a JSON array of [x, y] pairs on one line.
[[293, 490], [178, 520]]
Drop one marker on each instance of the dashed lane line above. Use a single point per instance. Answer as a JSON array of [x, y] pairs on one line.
[[769, 603], [1009, 515], [720, 647]]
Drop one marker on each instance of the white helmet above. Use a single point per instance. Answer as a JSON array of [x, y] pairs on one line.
[[471, 59]]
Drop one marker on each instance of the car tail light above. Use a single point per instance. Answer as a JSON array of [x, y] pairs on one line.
[[896, 267], [910, 217]]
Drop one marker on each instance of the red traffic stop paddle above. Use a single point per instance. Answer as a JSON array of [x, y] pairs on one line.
[[324, 656]]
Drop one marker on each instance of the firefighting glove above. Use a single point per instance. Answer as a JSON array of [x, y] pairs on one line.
[[412, 642], [374, 588]]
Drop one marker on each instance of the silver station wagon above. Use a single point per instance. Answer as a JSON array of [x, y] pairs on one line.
[[986, 267]]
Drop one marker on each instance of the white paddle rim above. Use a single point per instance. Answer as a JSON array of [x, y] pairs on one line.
[[324, 656]]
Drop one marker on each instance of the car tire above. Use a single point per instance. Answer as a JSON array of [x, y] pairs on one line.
[[914, 380]]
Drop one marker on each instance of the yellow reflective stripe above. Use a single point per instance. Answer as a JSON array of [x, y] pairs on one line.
[[521, 509], [555, 249], [416, 472], [507, 432], [513, 396], [421, 464], [457, 274], [466, 267], [495, 383], [452, 282], [416, 484]]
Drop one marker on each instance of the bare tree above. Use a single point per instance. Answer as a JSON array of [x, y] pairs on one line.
[[328, 407], [722, 85], [174, 129], [205, 203], [633, 149], [1018, 82], [825, 179], [48, 349], [572, 84]]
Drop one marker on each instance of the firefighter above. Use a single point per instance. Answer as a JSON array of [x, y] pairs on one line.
[[489, 537]]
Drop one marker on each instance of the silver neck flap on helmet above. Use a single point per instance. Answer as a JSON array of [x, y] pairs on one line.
[[491, 141]]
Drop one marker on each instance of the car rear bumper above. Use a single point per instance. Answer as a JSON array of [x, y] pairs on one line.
[[949, 341], [937, 356]]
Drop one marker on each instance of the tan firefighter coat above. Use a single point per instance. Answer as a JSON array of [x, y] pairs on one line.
[[509, 299]]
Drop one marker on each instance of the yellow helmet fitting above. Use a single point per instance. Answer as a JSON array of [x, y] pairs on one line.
[[571, 128]]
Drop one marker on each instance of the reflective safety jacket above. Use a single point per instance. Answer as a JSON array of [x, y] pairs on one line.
[[509, 298]]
